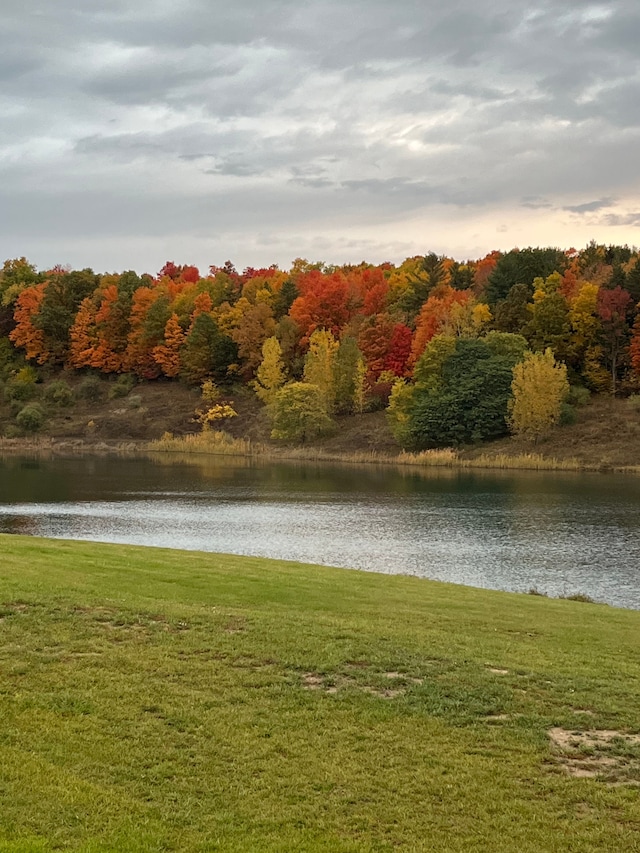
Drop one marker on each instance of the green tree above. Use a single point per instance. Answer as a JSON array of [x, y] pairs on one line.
[[298, 413], [428, 370], [207, 353], [522, 266], [399, 412], [347, 377], [549, 325], [504, 343], [539, 389], [512, 313], [465, 401], [62, 297]]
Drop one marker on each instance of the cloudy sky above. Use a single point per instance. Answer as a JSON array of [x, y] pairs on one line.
[[336, 130]]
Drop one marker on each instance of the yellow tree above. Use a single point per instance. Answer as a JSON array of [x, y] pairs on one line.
[[584, 320], [270, 375], [539, 388], [319, 365]]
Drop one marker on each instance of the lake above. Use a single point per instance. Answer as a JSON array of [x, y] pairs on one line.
[[559, 533]]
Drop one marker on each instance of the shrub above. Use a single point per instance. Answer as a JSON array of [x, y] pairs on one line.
[[31, 418], [134, 401], [58, 393], [568, 414], [22, 386], [122, 386], [90, 389], [633, 402], [578, 396]]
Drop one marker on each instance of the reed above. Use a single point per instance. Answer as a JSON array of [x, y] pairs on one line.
[[207, 441]]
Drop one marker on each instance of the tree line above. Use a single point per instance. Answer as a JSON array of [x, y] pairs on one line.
[[445, 345]]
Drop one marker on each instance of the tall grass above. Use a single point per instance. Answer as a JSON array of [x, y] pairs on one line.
[[221, 443], [207, 441], [449, 458]]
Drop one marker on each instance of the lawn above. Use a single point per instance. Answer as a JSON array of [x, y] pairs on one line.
[[155, 700]]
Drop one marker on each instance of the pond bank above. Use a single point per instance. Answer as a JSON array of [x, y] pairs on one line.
[[221, 444]]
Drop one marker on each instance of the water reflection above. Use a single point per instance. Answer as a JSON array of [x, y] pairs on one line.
[[560, 533]]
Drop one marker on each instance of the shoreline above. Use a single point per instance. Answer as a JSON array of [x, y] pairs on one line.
[[223, 445]]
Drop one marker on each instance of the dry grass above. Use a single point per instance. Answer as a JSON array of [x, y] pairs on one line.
[[208, 441], [449, 458]]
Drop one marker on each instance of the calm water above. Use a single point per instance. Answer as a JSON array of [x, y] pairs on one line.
[[559, 533]]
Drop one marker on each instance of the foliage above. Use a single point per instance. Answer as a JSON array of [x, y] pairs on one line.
[[31, 418], [270, 375], [91, 389], [578, 395], [465, 399], [215, 413], [299, 413], [522, 266], [509, 345], [58, 393], [428, 370], [512, 313], [399, 412], [540, 387], [549, 325], [264, 326], [21, 385], [320, 365], [207, 353], [123, 386], [613, 307], [348, 377]]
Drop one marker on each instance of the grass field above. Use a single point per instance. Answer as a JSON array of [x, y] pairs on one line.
[[166, 701]]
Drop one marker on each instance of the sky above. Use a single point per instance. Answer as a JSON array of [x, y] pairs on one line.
[[132, 133]]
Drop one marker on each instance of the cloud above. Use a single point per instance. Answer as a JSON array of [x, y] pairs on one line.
[[172, 121], [590, 206]]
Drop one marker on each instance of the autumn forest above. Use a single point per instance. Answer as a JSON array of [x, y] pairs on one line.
[[455, 352]]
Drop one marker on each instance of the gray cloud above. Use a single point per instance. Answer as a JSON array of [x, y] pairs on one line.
[[590, 206], [327, 120]]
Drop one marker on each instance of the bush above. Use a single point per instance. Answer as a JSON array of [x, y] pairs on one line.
[[633, 402], [31, 418], [90, 389], [122, 386], [568, 415], [9, 358], [58, 393], [134, 401], [21, 386], [578, 396]]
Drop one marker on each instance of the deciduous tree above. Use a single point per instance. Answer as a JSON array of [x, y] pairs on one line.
[[539, 388]]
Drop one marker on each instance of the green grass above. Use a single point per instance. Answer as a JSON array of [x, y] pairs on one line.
[[165, 701]]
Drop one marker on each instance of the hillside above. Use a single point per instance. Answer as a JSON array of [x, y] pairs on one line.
[[606, 433]]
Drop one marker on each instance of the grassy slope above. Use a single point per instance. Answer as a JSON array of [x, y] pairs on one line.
[[154, 700]]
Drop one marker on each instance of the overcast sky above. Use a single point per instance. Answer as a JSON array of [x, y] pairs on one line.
[[261, 130]]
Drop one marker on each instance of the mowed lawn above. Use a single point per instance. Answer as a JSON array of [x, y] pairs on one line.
[[155, 700]]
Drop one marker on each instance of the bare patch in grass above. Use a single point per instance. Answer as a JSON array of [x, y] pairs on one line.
[[333, 684], [607, 755]]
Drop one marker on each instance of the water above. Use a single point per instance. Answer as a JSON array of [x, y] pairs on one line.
[[559, 533]]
